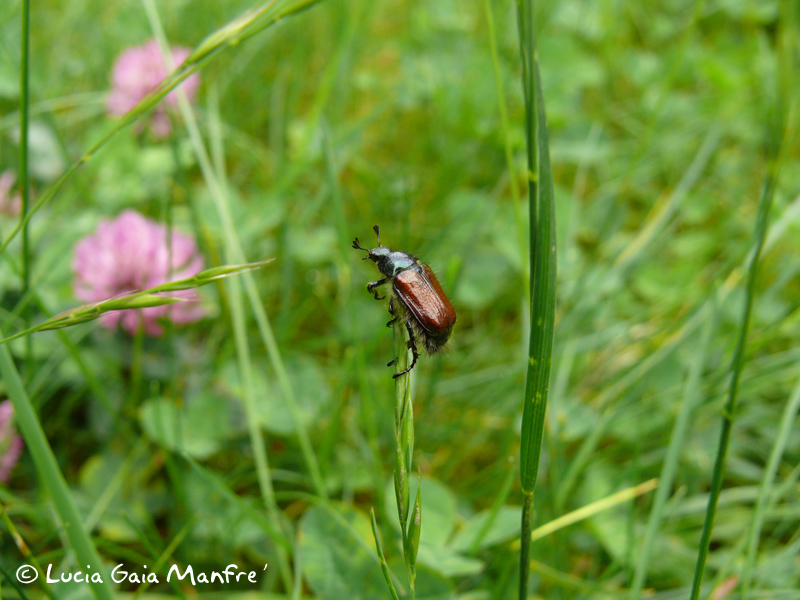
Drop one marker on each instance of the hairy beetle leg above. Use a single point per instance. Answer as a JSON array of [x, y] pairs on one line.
[[391, 312], [371, 287], [414, 354]]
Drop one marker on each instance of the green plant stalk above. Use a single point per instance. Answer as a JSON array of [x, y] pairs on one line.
[[402, 463], [737, 363], [525, 544], [24, 177], [404, 453], [786, 102], [543, 278], [787, 67], [50, 476]]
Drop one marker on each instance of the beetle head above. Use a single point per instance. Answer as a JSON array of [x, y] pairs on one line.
[[389, 262], [376, 253]]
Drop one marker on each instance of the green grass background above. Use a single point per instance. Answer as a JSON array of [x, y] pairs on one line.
[[388, 112]]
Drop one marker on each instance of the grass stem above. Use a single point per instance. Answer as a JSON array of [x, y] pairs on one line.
[[542, 278], [737, 363], [24, 177], [404, 453]]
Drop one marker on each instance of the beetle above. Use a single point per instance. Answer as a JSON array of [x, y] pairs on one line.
[[417, 298]]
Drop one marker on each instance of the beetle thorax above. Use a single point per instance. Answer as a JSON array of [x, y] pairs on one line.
[[389, 262]]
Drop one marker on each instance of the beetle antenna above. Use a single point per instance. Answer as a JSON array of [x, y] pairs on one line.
[[357, 245], [377, 230]]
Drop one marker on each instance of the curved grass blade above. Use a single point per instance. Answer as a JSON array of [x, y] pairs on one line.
[[143, 299]]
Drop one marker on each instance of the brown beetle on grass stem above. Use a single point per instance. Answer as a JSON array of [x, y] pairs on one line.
[[417, 298]]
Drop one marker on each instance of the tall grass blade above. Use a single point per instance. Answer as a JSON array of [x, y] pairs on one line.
[[24, 176], [50, 476], [787, 107], [737, 362], [543, 276]]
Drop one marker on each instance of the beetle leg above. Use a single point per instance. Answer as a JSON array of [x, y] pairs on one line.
[[371, 287], [391, 362], [414, 354], [391, 312]]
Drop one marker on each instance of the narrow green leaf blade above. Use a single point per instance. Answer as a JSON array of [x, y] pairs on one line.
[[543, 270], [414, 528]]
